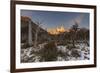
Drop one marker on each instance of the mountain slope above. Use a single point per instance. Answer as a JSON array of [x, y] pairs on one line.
[[42, 35]]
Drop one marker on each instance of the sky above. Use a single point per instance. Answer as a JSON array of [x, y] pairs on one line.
[[52, 19]]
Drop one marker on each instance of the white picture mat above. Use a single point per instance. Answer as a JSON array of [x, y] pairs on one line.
[[52, 64]]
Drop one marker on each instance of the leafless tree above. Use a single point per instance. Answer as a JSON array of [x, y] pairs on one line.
[[74, 31], [39, 24]]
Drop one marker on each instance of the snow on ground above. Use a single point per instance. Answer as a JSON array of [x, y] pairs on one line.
[[80, 53], [82, 49], [28, 56], [62, 48]]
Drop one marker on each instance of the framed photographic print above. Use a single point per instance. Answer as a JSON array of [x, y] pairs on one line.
[[51, 36]]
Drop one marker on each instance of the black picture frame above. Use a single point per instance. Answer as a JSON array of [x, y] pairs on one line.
[[13, 35]]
